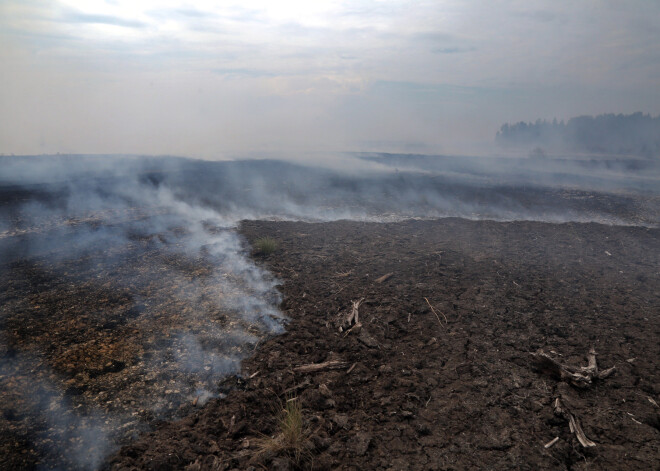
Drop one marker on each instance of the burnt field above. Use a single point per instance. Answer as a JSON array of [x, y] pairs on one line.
[[450, 389], [140, 329], [101, 342]]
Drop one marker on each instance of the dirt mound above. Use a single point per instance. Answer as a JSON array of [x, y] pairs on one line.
[[439, 374]]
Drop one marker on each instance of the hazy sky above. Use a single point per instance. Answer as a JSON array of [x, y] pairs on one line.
[[210, 78]]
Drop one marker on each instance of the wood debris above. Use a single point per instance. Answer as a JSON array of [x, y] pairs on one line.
[[316, 367], [298, 386], [573, 423], [580, 377], [353, 317], [384, 278], [551, 443], [356, 329]]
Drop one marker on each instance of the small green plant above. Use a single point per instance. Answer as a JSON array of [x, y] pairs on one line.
[[265, 245], [292, 437]]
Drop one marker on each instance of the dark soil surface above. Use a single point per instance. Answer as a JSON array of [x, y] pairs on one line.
[[440, 375]]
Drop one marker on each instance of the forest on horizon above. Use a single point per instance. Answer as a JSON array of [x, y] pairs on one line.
[[635, 134]]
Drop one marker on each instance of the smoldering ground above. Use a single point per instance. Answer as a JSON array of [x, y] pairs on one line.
[[127, 296], [121, 304]]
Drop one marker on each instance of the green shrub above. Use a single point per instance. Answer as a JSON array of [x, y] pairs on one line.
[[265, 245]]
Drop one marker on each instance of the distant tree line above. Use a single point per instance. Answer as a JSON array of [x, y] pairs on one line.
[[634, 134]]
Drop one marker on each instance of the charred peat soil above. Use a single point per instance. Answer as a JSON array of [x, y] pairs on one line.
[[141, 329], [440, 373]]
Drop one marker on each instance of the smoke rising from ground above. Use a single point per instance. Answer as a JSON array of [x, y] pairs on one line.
[[154, 240], [188, 300]]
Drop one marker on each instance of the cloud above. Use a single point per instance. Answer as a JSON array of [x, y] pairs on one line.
[[73, 16], [235, 73], [452, 50], [435, 37], [191, 13], [542, 16], [224, 65]]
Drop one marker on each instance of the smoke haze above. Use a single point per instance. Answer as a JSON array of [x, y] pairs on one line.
[[217, 79]]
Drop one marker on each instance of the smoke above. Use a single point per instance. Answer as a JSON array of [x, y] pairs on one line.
[[116, 284], [131, 269], [382, 187], [47, 417]]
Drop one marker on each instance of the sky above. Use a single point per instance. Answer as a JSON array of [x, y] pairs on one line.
[[214, 79]]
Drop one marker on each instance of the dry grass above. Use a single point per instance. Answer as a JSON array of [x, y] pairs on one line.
[[265, 245], [292, 437]]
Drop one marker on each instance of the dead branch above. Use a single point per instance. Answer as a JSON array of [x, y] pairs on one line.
[[353, 317], [545, 364], [591, 358], [573, 423], [579, 433], [293, 389], [353, 330], [316, 367], [605, 373], [580, 377], [384, 278], [436, 314], [551, 442]]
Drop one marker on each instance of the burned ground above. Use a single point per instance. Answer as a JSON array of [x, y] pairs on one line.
[[99, 344], [127, 298], [421, 392]]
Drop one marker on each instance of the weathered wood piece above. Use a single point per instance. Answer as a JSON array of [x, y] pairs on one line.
[[580, 377], [354, 316], [316, 367], [384, 277], [356, 329], [573, 423], [551, 442], [298, 386]]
